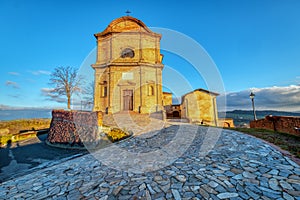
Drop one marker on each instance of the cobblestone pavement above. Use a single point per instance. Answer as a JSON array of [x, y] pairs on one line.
[[237, 167]]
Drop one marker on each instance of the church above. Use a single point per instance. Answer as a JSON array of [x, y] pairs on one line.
[[128, 76]]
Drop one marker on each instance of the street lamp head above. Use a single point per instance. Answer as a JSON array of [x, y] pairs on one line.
[[252, 95]]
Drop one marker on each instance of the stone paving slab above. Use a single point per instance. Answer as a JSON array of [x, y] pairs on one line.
[[235, 166]]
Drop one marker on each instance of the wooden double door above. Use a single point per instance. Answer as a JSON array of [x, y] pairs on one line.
[[127, 99]]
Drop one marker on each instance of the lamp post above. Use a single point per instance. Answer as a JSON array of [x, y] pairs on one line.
[[252, 95]]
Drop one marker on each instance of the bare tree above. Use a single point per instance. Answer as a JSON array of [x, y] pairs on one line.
[[89, 93], [66, 82]]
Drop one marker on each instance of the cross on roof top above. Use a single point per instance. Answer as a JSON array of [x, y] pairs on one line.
[[128, 12]]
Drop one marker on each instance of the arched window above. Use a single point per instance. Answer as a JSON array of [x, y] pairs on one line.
[[104, 89], [150, 90]]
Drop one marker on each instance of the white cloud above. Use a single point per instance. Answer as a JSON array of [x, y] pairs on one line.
[[297, 80], [48, 93], [16, 96], [14, 73], [47, 90], [40, 72], [12, 84], [269, 98]]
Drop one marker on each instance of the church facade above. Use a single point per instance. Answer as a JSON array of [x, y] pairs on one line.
[[128, 76], [128, 69]]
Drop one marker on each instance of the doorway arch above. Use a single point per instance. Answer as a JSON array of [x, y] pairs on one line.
[[176, 114]]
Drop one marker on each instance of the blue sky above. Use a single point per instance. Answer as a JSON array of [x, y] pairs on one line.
[[254, 44]]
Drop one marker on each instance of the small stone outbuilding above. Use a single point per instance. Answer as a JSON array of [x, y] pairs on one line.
[[199, 106]]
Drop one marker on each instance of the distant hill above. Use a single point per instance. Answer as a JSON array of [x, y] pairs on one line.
[[241, 117]]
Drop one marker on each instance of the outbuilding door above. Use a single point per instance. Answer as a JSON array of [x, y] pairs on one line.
[[127, 99]]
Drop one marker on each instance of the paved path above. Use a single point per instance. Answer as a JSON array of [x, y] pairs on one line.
[[178, 162], [30, 155]]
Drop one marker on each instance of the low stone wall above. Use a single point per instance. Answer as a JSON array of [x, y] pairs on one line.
[[279, 123], [74, 127]]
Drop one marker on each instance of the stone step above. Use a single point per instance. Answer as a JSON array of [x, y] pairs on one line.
[[125, 118]]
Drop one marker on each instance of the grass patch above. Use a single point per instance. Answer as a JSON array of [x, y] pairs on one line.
[[285, 141], [21, 125], [16, 130]]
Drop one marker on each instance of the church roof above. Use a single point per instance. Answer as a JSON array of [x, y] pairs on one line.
[[207, 91], [203, 90], [126, 24]]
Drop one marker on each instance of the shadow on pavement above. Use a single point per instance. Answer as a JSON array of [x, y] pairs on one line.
[[18, 159]]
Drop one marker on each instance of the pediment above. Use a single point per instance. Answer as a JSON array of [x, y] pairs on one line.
[[125, 24]]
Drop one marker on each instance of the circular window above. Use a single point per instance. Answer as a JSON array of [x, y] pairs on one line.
[[127, 53]]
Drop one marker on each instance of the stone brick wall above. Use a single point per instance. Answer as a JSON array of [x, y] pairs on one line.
[[279, 123], [74, 127]]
